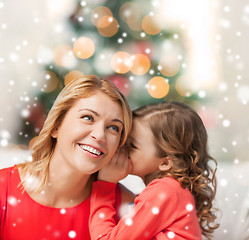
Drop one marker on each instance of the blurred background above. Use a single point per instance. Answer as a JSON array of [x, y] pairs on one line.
[[156, 50]]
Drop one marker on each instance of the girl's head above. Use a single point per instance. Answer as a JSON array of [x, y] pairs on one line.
[[169, 139], [78, 89]]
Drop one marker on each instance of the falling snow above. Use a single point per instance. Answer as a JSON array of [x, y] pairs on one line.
[[171, 235], [155, 210], [189, 207], [12, 201], [72, 234], [227, 96], [128, 221], [63, 211], [101, 215]]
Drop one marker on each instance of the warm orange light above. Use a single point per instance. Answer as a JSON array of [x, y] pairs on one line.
[[134, 25], [63, 56], [158, 87], [169, 65], [182, 86], [84, 47], [98, 13], [151, 24], [107, 26], [131, 14], [121, 62], [51, 81], [140, 64], [71, 76]]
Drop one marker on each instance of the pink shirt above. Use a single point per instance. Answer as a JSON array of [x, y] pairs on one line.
[[163, 210], [21, 218]]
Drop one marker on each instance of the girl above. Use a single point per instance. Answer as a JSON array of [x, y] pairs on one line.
[[48, 198], [168, 150]]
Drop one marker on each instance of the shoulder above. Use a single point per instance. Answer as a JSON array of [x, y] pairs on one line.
[[163, 184], [166, 188], [9, 177], [159, 190], [6, 172], [170, 184]]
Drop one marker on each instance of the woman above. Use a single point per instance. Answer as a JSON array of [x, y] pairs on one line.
[[48, 198]]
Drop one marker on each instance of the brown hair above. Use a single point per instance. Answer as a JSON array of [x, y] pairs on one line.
[[179, 133], [44, 145]]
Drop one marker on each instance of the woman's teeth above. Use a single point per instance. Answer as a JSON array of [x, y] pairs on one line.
[[90, 149]]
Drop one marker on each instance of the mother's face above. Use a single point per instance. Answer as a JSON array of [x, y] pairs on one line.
[[89, 134]]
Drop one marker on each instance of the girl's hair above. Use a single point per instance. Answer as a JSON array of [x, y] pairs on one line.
[[179, 133], [44, 145]]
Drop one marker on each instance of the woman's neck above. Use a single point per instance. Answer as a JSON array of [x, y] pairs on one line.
[[65, 188]]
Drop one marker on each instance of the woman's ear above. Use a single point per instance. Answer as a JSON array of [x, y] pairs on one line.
[[54, 133], [165, 164]]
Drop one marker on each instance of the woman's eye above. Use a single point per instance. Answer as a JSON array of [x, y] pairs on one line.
[[115, 128], [87, 117]]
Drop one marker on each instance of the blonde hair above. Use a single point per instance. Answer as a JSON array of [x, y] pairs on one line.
[[180, 134], [44, 145]]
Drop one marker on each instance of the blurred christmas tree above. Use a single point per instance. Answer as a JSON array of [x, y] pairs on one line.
[[126, 42]]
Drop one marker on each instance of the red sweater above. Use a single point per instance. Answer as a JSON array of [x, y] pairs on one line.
[[21, 218], [163, 210]]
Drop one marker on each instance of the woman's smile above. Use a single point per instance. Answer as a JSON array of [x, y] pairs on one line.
[[92, 150]]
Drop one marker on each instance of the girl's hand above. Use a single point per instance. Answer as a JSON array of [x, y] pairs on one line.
[[118, 167]]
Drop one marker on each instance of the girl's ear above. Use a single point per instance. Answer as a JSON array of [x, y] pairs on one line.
[[166, 164], [54, 133]]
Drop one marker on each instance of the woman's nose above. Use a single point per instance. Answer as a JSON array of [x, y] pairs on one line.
[[98, 132]]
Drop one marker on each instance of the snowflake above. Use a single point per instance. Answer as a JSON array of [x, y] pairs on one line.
[[128, 222], [63, 211], [189, 207], [72, 234], [155, 210], [101, 215], [171, 235]]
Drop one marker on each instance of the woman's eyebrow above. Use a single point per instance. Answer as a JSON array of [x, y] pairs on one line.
[[97, 114], [90, 110], [118, 120]]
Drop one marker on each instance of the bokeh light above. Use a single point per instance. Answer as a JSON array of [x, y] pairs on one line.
[[151, 24], [63, 56], [158, 87], [243, 94], [98, 13], [130, 13], [121, 62], [209, 117], [50, 82], [107, 26], [169, 65], [72, 75], [102, 61], [122, 83], [84, 47], [140, 64], [182, 87]]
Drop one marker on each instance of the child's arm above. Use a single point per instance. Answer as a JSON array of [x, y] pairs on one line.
[[146, 220]]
